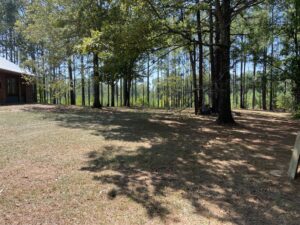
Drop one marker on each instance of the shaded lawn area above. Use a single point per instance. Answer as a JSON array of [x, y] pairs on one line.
[[80, 166]]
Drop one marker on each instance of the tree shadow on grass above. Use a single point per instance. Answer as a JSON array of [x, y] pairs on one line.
[[232, 174]]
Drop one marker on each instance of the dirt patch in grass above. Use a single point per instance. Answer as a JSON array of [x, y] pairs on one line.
[[72, 165]]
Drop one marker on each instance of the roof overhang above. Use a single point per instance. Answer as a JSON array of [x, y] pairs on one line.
[[9, 67]]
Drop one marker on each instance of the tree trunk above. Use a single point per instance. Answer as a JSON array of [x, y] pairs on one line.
[[143, 101], [101, 90], [135, 91], [127, 88], [264, 82], [148, 81], [44, 78], [242, 103], [89, 91], [254, 85], [235, 91], [245, 91], [167, 87], [193, 65], [271, 69], [72, 93], [121, 91], [108, 95], [74, 78], [224, 14], [157, 87], [96, 103], [82, 82], [200, 47], [112, 94], [117, 93], [212, 61], [216, 69]]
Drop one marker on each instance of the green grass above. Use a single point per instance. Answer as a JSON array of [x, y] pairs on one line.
[[75, 165]]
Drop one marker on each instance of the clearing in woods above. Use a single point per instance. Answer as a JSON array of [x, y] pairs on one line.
[[68, 165]]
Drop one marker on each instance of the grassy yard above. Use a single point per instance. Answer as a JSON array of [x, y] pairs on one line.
[[80, 166]]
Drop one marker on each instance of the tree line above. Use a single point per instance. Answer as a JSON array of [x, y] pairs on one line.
[[203, 54]]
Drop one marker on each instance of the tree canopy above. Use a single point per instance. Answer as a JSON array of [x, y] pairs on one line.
[[212, 55]]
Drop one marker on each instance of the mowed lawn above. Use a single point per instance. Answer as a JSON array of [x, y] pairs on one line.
[[68, 165]]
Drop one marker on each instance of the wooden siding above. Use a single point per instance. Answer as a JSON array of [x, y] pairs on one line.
[[25, 92]]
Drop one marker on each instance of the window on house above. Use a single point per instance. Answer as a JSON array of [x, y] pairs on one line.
[[12, 89]]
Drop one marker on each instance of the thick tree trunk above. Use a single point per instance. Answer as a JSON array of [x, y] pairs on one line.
[[96, 103], [224, 14], [72, 93], [126, 89], [216, 69]]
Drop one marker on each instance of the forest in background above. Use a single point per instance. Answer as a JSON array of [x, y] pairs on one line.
[[209, 55]]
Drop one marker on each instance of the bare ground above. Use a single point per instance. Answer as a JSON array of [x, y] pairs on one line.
[[71, 165]]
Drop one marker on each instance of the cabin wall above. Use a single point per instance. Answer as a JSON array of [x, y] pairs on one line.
[[2, 89], [25, 92]]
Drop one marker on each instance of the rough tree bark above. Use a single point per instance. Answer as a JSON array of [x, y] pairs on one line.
[[223, 13], [212, 62]]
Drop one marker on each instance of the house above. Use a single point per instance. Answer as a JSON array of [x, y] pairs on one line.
[[13, 87]]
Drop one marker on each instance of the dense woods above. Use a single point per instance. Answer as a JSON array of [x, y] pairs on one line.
[[209, 55]]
